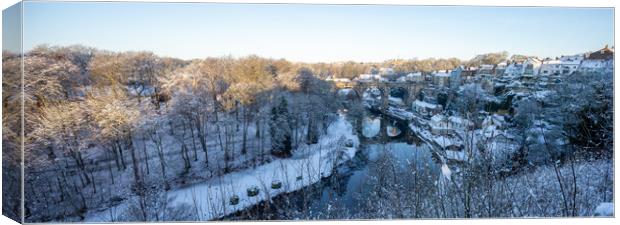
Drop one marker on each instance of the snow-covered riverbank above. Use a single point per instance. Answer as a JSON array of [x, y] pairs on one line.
[[212, 199]]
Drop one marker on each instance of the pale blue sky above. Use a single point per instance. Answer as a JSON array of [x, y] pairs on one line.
[[314, 33]]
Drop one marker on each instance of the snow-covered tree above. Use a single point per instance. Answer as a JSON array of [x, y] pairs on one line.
[[280, 129]]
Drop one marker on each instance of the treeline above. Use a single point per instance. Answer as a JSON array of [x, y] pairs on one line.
[[351, 69]]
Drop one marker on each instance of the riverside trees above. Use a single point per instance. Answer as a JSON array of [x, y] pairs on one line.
[[86, 115]]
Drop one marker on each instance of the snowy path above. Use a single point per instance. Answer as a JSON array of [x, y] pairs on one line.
[[307, 166]]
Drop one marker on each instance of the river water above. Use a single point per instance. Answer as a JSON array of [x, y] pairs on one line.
[[345, 190]]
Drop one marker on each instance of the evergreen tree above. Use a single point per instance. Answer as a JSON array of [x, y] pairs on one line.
[[280, 130]]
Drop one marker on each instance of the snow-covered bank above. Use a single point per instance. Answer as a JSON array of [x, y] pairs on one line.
[[212, 199]]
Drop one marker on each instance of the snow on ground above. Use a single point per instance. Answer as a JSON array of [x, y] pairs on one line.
[[595, 186], [604, 209], [445, 170], [307, 166], [424, 134]]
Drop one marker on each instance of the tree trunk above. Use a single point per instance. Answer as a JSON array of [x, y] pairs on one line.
[[202, 138], [134, 160], [146, 155], [120, 150], [191, 133], [246, 122]]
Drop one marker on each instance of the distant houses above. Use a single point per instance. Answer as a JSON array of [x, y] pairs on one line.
[[441, 78], [518, 77]]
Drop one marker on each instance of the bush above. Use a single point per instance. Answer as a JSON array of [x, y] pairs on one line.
[[276, 184], [253, 191], [349, 143], [234, 200]]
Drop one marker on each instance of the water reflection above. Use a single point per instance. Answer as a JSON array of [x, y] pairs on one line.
[[371, 126], [380, 128], [348, 190]]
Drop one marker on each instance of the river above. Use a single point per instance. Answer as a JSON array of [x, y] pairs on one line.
[[341, 195]]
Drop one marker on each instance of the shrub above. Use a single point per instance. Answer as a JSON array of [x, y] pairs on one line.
[[276, 184], [253, 191], [234, 200]]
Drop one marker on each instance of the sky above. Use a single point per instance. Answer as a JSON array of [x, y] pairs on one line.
[[318, 33], [11, 27]]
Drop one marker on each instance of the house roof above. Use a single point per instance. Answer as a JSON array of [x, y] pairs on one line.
[[425, 104], [602, 54], [552, 62]]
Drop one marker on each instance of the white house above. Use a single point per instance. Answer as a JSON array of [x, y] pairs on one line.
[[455, 77], [459, 123], [425, 108], [441, 78], [531, 66], [439, 125], [551, 67], [447, 125], [486, 69], [514, 69], [570, 64], [501, 68], [413, 77], [370, 77]]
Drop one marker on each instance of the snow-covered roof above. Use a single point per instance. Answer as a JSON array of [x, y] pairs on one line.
[[417, 74], [542, 94], [571, 62], [459, 120], [602, 54], [340, 79], [437, 118], [344, 92], [552, 62], [486, 67], [369, 76], [493, 119], [442, 74], [419, 103]]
